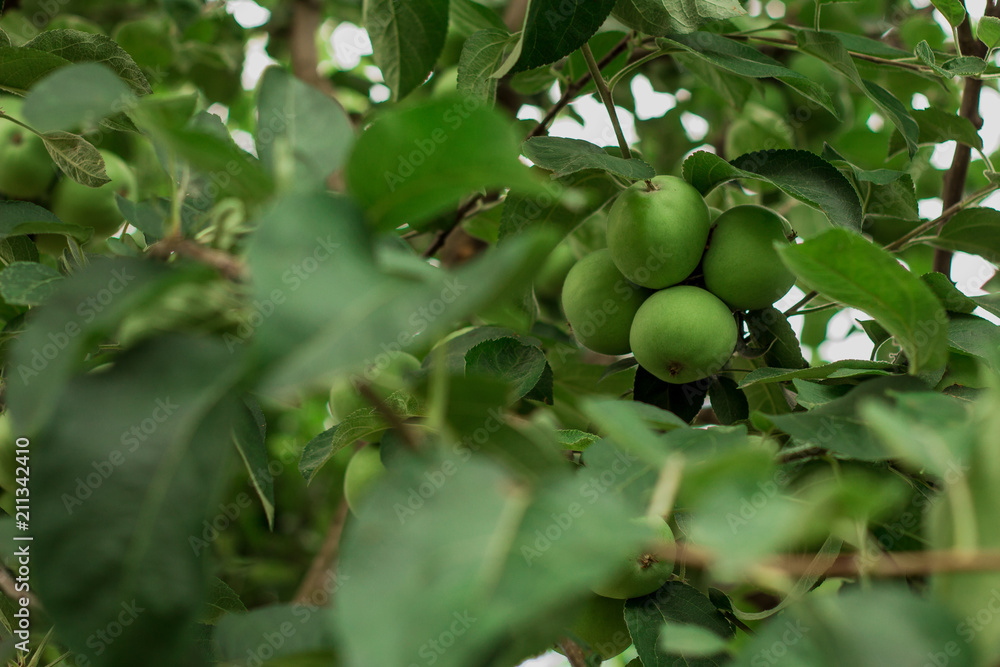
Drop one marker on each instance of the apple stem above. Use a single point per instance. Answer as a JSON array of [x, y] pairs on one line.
[[609, 103], [650, 187]]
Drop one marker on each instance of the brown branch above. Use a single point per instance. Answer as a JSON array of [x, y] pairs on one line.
[[893, 564], [226, 264], [306, 19], [955, 177], [315, 581], [461, 214], [513, 15], [573, 652]]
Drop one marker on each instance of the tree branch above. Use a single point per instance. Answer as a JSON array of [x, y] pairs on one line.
[[313, 589], [302, 43]]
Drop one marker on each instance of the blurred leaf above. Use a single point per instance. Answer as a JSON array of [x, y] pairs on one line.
[[75, 96], [128, 543], [249, 434], [18, 218], [28, 283], [679, 606], [728, 401], [800, 174], [568, 156], [988, 31], [281, 631], [415, 163], [847, 268], [85, 47], [468, 17], [407, 39], [302, 135], [21, 67], [630, 425], [220, 601]]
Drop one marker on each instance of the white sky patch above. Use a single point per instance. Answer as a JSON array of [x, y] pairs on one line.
[[248, 13], [920, 4], [786, 302], [943, 154], [775, 9], [255, 61], [754, 7], [529, 112], [943, 22], [554, 92], [373, 73], [220, 110], [244, 140], [349, 43], [550, 659], [596, 127], [989, 109], [920, 101], [695, 127], [379, 93], [976, 8], [648, 102], [930, 208], [875, 122], [840, 345]]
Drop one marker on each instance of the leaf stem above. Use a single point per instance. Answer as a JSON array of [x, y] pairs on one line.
[[794, 310], [902, 241], [609, 103]]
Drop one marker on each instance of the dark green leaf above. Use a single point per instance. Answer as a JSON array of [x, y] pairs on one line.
[[20, 68], [248, 435], [684, 400], [973, 230], [304, 629], [519, 365], [660, 17], [848, 269], [407, 38], [953, 10], [772, 334], [85, 47], [845, 368], [20, 217], [481, 57], [950, 297], [728, 401], [28, 283], [220, 600], [468, 17], [553, 29], [568, 156], [803, 175]]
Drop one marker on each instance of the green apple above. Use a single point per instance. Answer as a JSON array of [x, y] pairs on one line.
[[683, 334], [643, 571], [363, 471], [552, 275], [656, 237], [26, 170], [601, 624], [600, 303], [387, 374], [96, 207], [741, 265]]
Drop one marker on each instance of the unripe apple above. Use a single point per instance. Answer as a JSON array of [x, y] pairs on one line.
[[363, 471], [741, 265], [384, 378], [26, 170], [95, 207], [601, 624], [656, 237], [600, 303], [683, 334], [643, 572]]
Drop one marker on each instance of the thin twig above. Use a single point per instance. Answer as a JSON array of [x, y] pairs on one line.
[[573, 653], [323, 563], [794, 310], [609, 103], [939, 221], [226, 264]]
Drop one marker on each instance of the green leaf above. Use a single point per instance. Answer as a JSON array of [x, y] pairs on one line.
[[359, 425], [830, 49], [77, 158], [468, 17], [690, 640], [629, 424], [974, 336], [482, 55], [125, 536], [407, 38], [18, 218], [520, 366], [556, 209], [553, 29], [75, 96], [85, 47], [988, 31], [249, 434], [574, 440], [973, 230], [302, 135], [220, 601], [568, 156], [304, 629], [811, 395], [803, 175], [964, 66], [21, 67], [772, 334], [728, 401], [848, 269], [677, 605], [950, 297], [953, 10], [844, 368], [28, 283], [660, 17], [415, 163]]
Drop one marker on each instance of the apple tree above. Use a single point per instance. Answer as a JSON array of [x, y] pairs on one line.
[[469, 333]]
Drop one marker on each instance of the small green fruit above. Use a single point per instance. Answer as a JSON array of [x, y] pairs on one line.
[[25, 167], [657, 237], [683, 334], [644, 572], [601, 624], [741, 265], [600, 303], [386, 376], [363, 471], [96, 207]]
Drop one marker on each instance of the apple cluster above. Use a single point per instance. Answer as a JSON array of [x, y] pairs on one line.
[[28, 173], [670, 280]]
